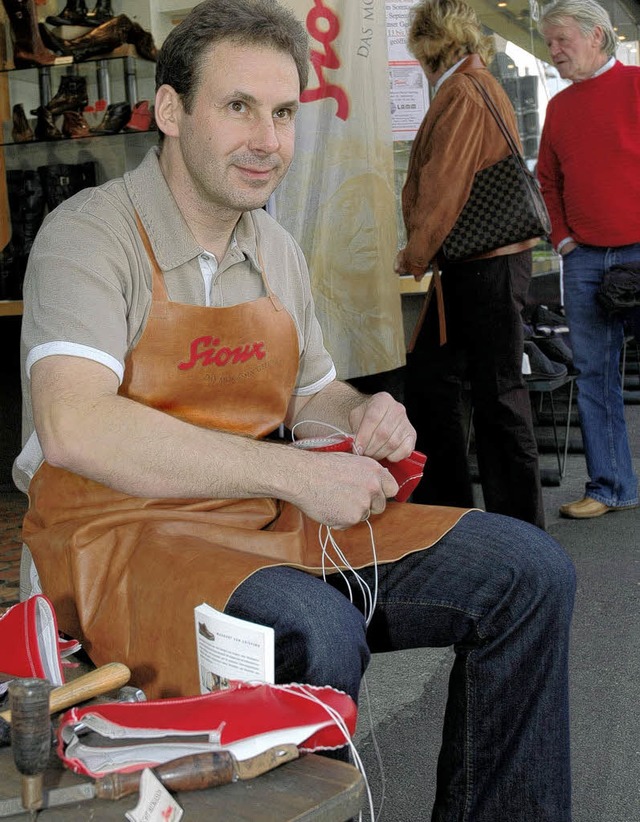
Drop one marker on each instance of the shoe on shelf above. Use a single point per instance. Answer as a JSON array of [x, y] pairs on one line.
[[557, 350], [100, 13], [46, 128], [116, 117], [73, 14], [74, 125], [21, 131], [547, 322], [141, 118], [542, 368], [588, 508]]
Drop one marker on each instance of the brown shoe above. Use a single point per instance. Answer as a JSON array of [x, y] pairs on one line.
[[586, 508]]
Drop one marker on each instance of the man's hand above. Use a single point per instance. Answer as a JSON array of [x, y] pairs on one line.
[[567, 248], [341, 489], [382, 429]]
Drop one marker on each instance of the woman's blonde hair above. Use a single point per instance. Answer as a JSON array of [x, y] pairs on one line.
[[441, 32]]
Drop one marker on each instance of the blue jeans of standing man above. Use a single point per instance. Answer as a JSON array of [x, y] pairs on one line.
[[596, 340], [501, 592]]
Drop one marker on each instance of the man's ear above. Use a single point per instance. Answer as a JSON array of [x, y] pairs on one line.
[[598, 36], [168, 110]]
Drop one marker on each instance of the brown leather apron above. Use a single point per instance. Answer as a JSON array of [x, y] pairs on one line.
[[125, 573]]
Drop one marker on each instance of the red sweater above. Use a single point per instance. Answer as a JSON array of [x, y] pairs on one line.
[[589, 159]]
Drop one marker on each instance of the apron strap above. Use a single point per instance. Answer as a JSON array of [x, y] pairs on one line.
[[159, 290], [434, 285]]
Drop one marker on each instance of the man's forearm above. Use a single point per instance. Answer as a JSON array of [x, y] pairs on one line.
[[145, 452]]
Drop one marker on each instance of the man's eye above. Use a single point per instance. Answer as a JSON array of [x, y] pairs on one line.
[[237, 105], [284, 114]]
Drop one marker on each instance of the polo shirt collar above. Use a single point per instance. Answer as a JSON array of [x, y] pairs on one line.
[[171, 239]]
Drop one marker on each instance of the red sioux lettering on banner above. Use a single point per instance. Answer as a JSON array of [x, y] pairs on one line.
[[205, 350], [328, 59]]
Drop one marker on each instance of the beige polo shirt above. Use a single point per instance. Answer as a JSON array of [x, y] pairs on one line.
[[87, 289]]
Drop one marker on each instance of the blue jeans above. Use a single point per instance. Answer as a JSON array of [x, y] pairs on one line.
[[501, 592], [596, 340]]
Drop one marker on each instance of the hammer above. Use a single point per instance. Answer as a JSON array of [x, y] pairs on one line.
[[104, 679]]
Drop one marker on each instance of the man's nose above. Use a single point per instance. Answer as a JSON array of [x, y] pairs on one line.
[[265, 136]]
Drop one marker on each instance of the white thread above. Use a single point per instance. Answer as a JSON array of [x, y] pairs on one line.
[[337, 435], [376, 748], [369, 606], [340, 723], [369, 599]]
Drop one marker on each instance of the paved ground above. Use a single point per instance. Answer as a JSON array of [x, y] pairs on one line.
[[407, 690]]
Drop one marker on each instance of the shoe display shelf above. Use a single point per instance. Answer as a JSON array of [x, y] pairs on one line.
[[120, 77]]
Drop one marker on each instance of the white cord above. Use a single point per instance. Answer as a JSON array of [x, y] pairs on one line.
[[339, 721], [337, 436], [327, 541]]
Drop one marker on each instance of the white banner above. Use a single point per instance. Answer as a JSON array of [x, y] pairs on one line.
[[338, 199]]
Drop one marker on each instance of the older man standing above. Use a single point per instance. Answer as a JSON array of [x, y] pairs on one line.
[[589, 169]]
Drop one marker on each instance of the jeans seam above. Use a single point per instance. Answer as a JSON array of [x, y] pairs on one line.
[[430, 604], [608, 410], [469, 764]]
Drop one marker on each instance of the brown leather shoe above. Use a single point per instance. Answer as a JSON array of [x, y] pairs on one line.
[[588, 508]]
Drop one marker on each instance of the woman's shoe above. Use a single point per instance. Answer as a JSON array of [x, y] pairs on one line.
[[109, 36], [28, 48], [70, 96], [116, 117], [74, 125], [46, 128], [22, 131], [100, 13], [73, 14], [141, 118]]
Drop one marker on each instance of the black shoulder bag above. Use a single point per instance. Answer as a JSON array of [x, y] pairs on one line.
[[505, 205]]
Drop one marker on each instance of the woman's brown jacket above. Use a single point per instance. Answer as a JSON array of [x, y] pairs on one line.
[[457, 138]]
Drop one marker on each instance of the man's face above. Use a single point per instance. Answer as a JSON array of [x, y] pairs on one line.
[[237, 144], [576, 55]]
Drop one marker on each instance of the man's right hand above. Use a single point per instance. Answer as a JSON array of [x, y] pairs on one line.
[[340, 489]]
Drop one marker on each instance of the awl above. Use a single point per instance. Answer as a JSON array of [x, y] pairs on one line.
[[189, 773]]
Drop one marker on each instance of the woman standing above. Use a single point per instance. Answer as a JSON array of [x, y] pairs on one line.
[[483, 296]]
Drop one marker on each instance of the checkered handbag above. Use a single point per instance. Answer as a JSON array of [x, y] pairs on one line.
[[505, 205]]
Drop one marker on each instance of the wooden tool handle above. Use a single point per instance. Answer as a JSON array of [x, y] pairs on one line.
[[189, 773], [106, 678], [198, 771]]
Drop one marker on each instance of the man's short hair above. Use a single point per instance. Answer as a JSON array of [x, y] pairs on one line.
[[263, 23], [587, 14]]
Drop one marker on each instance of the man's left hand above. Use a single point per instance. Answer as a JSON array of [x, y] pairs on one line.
[[382, 429]]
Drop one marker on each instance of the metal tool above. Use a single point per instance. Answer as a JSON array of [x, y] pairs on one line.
[[30, 736], [189, 773]]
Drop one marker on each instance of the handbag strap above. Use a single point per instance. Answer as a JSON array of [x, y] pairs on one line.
[[498, 117]]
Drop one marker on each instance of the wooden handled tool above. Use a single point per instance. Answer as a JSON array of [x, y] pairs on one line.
[[103, 679], [189, 773], [198, 771]]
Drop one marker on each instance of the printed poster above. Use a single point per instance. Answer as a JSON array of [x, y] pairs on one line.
[[408, 87]]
